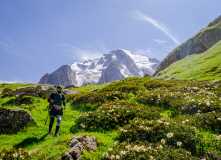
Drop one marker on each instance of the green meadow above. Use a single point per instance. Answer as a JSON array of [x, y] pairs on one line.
[[203, 67], [134, 118]]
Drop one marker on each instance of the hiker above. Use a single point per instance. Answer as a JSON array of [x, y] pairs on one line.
[[56, 100]]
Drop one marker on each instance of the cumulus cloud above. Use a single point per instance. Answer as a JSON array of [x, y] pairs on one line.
[[142, 17], [84, 53]]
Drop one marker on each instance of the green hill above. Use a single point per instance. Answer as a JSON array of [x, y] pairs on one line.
[[134, 118], [203, 66]]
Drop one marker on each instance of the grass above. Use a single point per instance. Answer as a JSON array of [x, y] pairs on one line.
[[203, 67], [35, 140], [14, 86], [89, 88]]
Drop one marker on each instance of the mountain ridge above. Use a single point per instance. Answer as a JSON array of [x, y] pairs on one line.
[[199, 43], [115, 65]]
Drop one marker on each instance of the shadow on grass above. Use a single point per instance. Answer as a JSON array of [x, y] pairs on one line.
[[29, 141]]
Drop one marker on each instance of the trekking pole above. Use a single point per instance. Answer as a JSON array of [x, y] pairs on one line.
[[49, 109]]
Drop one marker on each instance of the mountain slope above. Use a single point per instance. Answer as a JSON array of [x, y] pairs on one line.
[[62, 76], [113, 66], [204, 66], [199, 43]]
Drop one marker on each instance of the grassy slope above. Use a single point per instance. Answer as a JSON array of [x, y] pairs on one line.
[[35, 138], [202, 66], [13, 86]]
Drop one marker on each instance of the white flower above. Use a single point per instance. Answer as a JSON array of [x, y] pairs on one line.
[[219, 119], [106, 155], [179, 144], [110, 149], [187, 120], [163, 141], [169, 135], [117, 157], [160, 147], [29, 153], [151, 157], [116, 143], [112, 156], [183, 122], [123, 152], [15, 154]]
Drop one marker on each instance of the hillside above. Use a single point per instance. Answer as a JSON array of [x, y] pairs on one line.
[[204, 66], [134, 118], [199, 43]]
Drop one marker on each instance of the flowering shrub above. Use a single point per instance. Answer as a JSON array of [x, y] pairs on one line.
[[114, 114], [146, 151], [20, 153], [187, 98], [94, 97], [209, 121], [164, 131]]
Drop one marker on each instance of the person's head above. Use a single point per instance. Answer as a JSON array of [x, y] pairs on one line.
[[59, 88]]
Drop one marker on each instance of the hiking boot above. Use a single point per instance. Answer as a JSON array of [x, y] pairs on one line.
[[49, 133], [56, 135]]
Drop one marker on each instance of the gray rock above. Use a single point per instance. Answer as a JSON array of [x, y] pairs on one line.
[[13, 120], [62, 76], [7, 90], [26, 94], [77, 146], [70, 86], [29, 89], [44, 91], [67, 92], [94, 90], [0, 91]]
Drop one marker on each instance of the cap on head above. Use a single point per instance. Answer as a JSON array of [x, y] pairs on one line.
[[59, 86]]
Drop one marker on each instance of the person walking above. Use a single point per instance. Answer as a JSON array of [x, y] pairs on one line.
[[56, 100]]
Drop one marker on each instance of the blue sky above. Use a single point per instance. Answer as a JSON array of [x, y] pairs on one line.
[[38, 36]]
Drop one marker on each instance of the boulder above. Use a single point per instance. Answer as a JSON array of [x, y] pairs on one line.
[[70, 86], [13, 120], [7, 90], [78, 144], [67, 92], [94, 90], [44, 91], [29, 89]]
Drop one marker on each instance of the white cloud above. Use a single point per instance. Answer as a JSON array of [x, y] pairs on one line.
[[2, 81], [84, 53], [142, 17], [159, 41]]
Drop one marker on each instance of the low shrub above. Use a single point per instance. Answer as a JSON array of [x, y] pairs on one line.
[[19, 101], [145, 151], [115, 114], [168, 132]]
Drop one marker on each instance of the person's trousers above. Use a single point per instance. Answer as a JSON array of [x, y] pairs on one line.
[[52, 122]]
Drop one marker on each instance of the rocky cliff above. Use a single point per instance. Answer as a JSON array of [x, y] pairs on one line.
[[199, 43], [62, 76]]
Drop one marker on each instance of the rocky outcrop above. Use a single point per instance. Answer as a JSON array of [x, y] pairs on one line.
[[7, 90], [13, 120], [78, 144], [67, 92], [26, 91], [199, 43], [62, 76], [43, 91]]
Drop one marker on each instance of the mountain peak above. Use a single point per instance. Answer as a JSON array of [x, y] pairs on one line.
[[113, 66]]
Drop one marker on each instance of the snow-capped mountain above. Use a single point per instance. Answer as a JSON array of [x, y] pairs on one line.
[[113, 66]]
